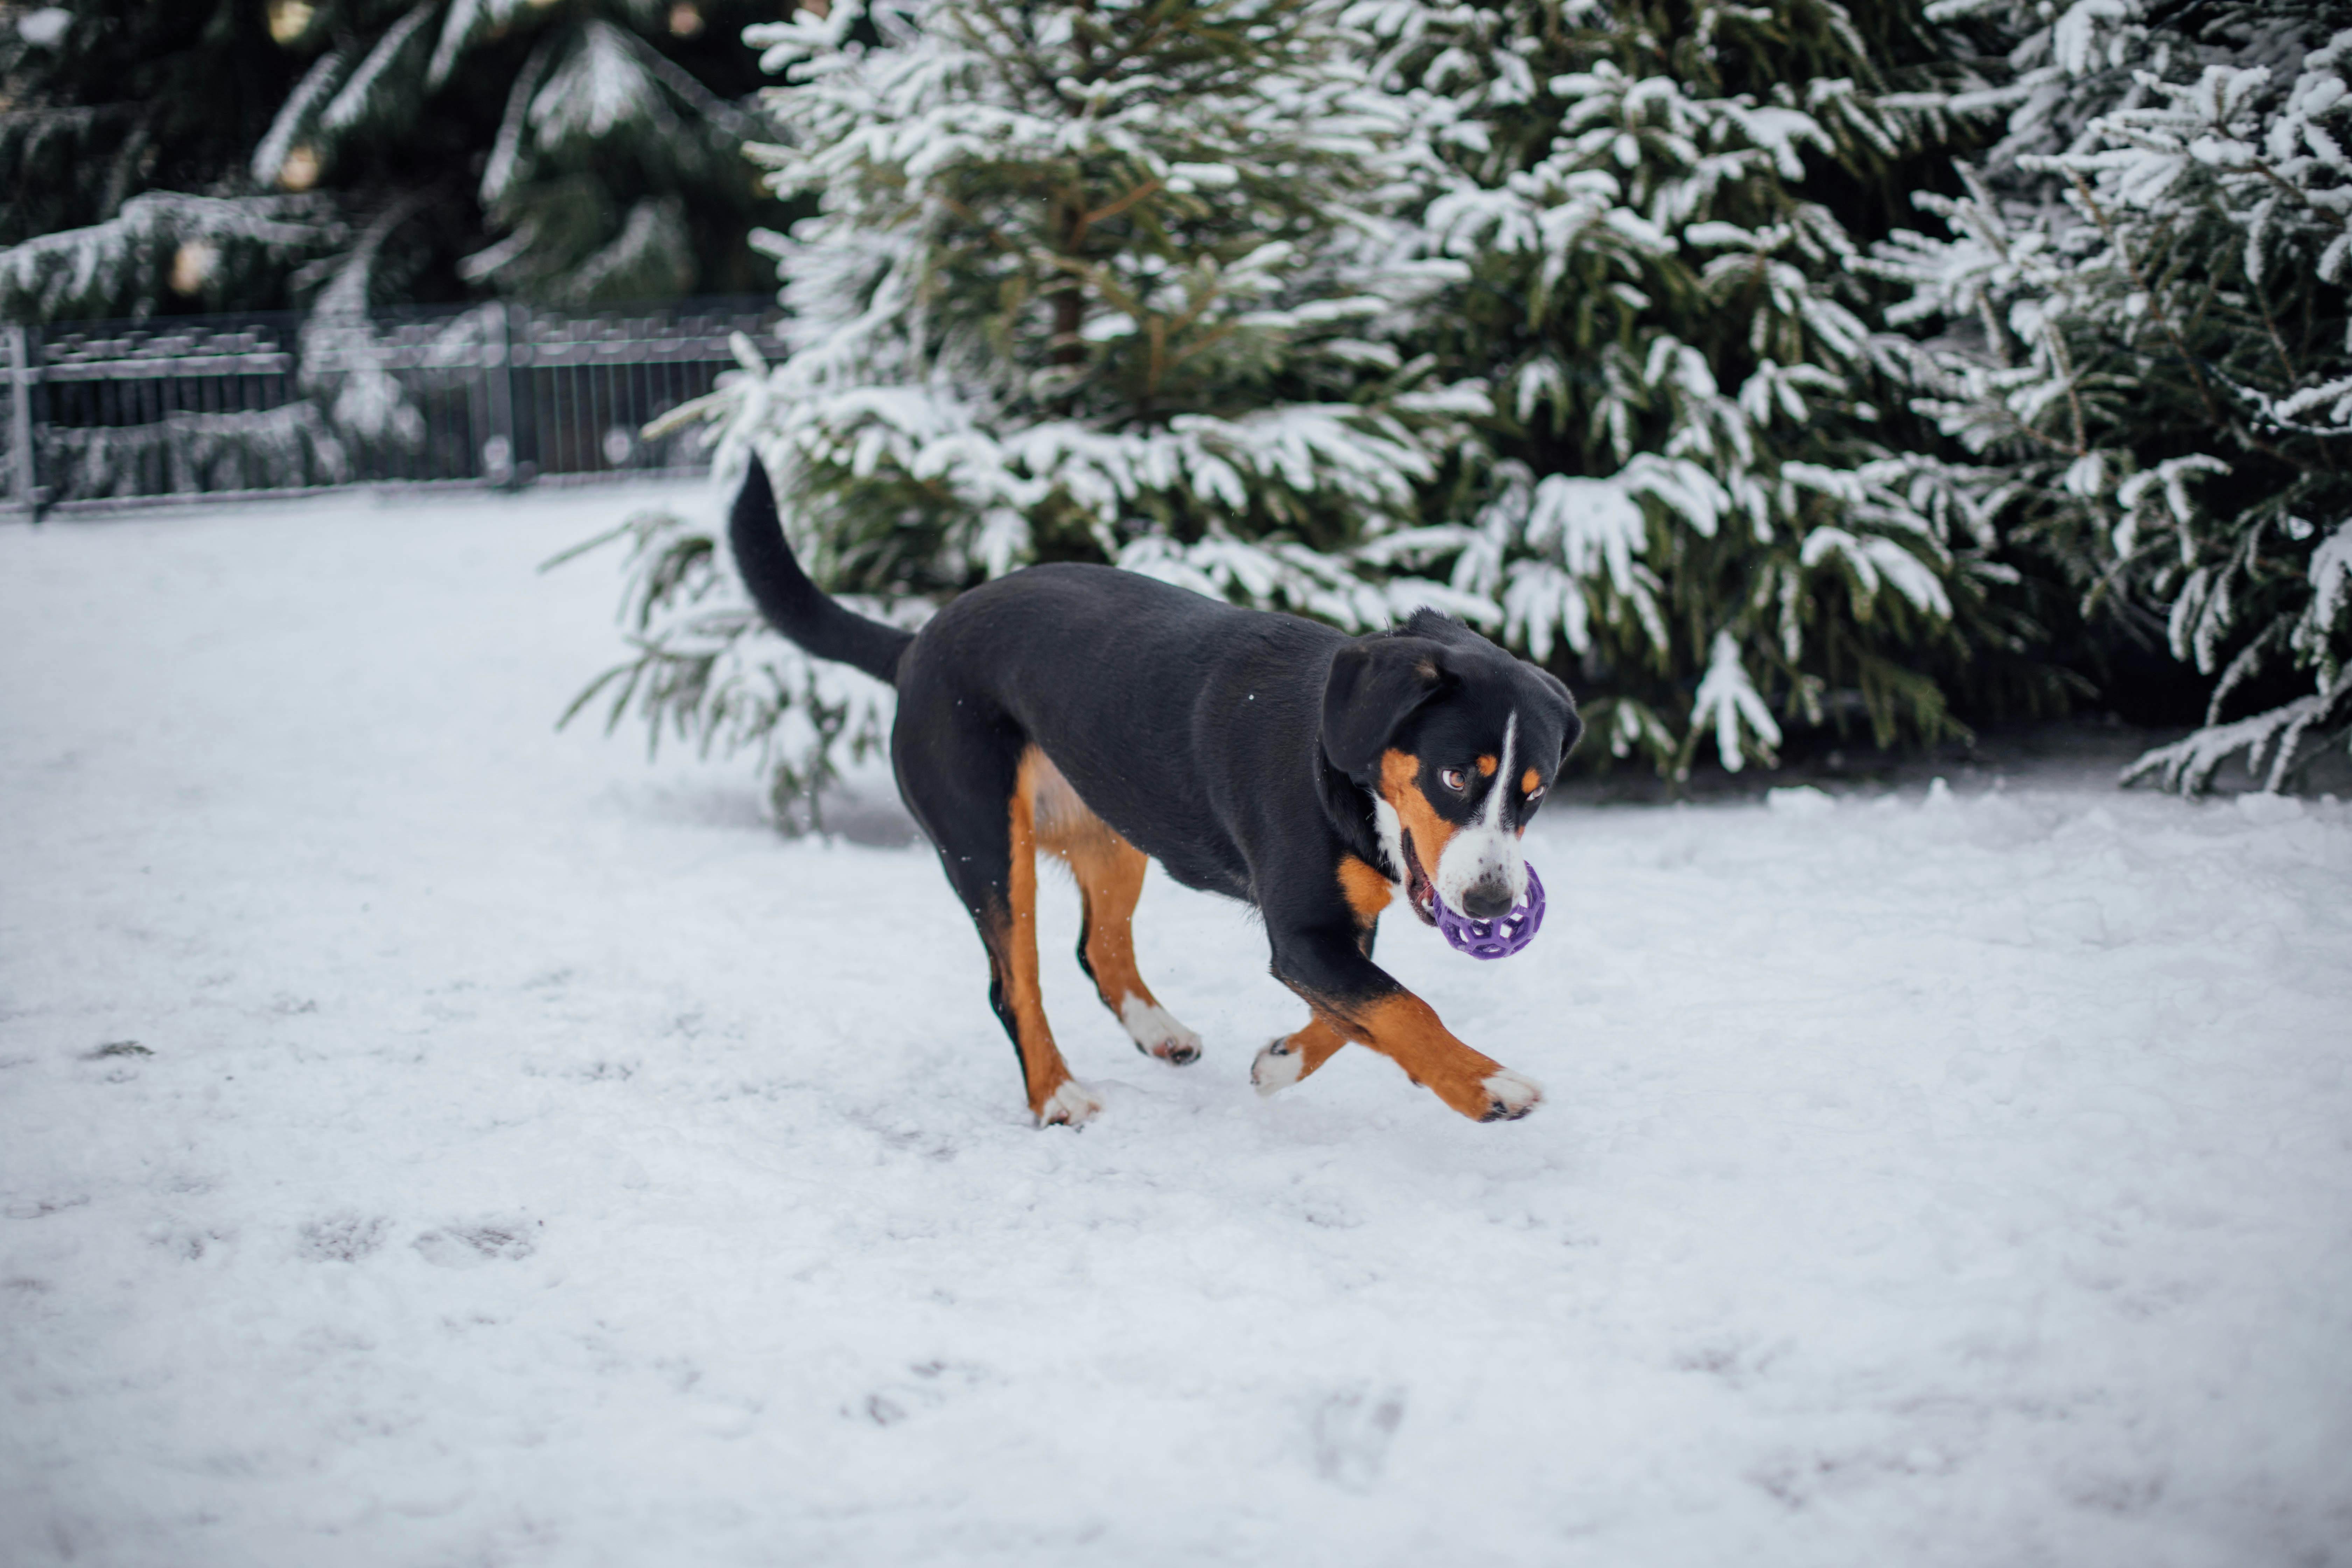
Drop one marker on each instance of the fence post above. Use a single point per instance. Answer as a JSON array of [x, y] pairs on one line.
[[499, 447], [21, 474], [522, 409]]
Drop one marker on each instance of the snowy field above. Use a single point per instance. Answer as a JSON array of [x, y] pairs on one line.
[[526, 1157]]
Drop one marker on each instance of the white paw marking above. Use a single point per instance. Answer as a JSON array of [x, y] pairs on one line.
[[1072, 1105], [1513, 1095], [1277, 1067], [1156, 1032]]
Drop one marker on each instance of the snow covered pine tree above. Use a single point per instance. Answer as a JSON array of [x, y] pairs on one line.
[[1697, 501], [1105, 281], [2141, 310]]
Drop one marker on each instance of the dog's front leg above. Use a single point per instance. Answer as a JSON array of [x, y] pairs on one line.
[[1356, 998], [1292, 1057]]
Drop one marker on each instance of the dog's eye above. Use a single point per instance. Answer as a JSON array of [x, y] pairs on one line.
[[1535, 793], [1454, 779]]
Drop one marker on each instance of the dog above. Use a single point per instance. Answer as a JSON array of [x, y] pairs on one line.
[[1109, 718]]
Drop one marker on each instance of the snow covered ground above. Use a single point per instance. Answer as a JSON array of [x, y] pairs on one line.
[[526, 1157]]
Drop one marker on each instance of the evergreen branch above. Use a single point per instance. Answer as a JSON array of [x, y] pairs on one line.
[[1104, 214]]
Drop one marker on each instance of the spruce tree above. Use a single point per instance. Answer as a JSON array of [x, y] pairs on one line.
[[1091, 280], [1114, 281], [1697, 497], [230, 154], [2139, 316]]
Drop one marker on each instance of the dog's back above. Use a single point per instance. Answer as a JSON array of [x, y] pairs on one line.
[[1172, 715]]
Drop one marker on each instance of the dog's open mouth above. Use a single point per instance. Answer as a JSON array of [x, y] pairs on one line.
[[1419, 891]]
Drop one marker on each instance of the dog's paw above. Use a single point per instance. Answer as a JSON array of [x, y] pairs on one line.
[[1156, 1033], [1072, 1105], [1278, 1067], [1511, 1097]]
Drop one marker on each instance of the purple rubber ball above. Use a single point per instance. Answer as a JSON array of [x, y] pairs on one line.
[[1502, 936]]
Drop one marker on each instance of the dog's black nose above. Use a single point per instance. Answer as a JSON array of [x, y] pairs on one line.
[[1486, 899]]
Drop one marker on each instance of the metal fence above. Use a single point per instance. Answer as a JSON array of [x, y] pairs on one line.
[[101, 415]]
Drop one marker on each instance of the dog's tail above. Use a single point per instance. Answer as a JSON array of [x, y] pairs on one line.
[[795, 605]]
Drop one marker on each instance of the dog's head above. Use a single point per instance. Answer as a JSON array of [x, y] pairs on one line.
[[1457, 743]]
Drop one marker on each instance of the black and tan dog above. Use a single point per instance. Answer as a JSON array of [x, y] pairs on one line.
[[1103, 717]]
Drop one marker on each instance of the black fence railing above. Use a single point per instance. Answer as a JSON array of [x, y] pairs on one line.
[[102, 415]]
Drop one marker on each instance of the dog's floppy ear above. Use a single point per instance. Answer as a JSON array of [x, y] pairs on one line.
[[1571, 728], [1375, 683]]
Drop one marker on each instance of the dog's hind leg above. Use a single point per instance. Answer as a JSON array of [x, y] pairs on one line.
[[972, 787], [1109, 873]]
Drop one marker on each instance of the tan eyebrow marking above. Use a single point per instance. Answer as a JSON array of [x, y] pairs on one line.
[[1486, 767], [1530, 781]]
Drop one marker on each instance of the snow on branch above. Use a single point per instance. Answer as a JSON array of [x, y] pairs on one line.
[[2140, 325], [2189, 765], [46, 275]]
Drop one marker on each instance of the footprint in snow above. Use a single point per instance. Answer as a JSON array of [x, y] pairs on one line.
[[1353, 1429], [342, 1238], [888, 1405], [471, 1246], [183, 1242]]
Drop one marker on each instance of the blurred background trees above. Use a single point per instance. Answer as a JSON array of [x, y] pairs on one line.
[[235, 153]]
